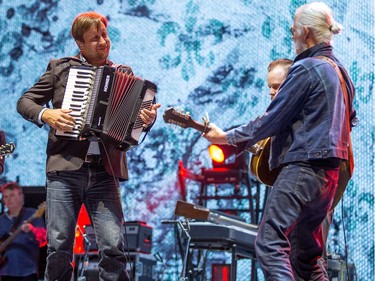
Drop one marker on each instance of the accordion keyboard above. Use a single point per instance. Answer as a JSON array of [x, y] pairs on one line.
[[76, 98]]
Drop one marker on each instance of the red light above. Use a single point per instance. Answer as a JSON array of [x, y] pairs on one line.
[[216, 153], [220, 272]]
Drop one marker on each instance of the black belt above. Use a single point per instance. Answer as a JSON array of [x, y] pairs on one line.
[[93, 159]]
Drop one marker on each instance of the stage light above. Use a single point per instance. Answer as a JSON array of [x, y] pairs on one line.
[[216, 153], [224, 156]]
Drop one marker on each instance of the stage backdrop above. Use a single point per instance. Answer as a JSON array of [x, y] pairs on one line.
[[205, 57]]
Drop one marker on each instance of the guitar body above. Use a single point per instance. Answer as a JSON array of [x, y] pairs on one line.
[[259, 167]]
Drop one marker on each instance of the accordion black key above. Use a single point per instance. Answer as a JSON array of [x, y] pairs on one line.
[[106, 103]]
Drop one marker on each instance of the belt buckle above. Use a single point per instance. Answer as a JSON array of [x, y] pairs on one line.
[[89, 158], [93, 159]]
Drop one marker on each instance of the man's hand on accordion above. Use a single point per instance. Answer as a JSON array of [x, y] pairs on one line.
[[148, 116], [59, 119]]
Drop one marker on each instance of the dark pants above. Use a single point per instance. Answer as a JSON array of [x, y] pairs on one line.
[[289, 245], [66, 191], [32, 277]]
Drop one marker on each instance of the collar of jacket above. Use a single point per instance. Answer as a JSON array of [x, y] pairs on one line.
[[324, 49], [83, 60]]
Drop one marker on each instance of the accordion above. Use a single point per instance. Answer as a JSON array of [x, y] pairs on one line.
[[106, 102]]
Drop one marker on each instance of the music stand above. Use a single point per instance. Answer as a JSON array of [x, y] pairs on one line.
[[185, 230]]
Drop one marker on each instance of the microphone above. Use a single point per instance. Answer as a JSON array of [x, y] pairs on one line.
[[170, 221], [179, 222], [84, 236]]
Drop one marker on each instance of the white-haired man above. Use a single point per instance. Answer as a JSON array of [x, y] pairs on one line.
[[310, 137]]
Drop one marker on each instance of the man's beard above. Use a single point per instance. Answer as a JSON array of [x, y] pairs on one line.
[[300, 46]]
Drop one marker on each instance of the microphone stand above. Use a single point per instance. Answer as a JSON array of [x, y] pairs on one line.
[[85, 257], [185, 229]]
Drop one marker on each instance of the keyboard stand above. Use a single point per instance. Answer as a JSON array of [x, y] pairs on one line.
[[216, 237]]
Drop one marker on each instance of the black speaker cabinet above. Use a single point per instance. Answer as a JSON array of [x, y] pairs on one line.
[[141, 267]]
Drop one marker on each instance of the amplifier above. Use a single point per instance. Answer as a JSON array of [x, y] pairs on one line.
[[137, 237], [140, 267]]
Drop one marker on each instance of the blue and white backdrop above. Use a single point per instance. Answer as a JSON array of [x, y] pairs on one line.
[[205, 56]]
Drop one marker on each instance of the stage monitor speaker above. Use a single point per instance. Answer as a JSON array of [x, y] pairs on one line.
[[137, 237]]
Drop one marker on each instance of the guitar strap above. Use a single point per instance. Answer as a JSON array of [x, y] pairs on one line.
[[346, 99], [346, 167], [17, 221]]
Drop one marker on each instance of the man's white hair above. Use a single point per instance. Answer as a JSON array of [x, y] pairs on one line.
[[317, 16]]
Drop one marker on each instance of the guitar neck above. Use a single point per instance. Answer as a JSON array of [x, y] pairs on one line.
[[200, 127], [172, 116], [10, 239]]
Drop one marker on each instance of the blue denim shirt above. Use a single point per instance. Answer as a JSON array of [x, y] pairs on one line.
[[307, 118]]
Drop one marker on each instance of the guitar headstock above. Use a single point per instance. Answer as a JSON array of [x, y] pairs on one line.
[[7, 149], [184, 120], [173, 116]]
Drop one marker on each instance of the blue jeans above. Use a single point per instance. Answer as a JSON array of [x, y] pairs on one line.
[[66, 191], [289, 243]]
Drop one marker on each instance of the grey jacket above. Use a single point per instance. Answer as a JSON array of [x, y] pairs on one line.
[[64, 155]]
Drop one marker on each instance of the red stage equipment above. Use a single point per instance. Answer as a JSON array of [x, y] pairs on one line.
[[220, 272], [83, 220]]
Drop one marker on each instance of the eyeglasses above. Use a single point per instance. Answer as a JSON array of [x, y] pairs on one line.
[[292, 30]]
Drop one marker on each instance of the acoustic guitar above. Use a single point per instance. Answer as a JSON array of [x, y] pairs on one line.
[[258, 165], [260, 151], [3, 245]]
